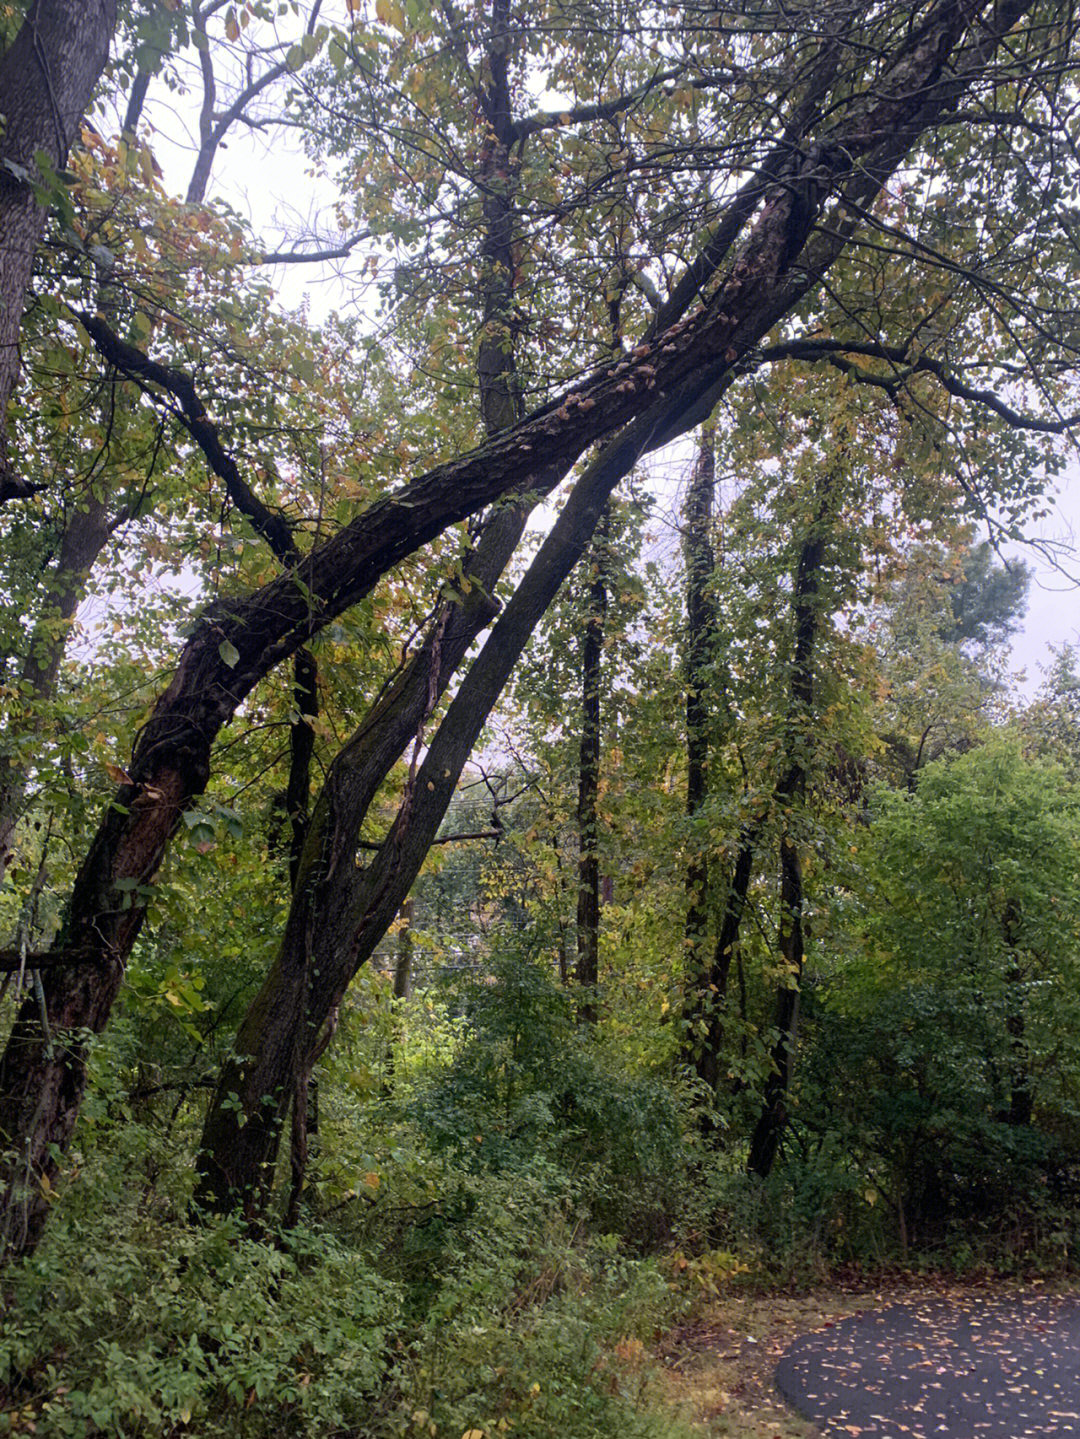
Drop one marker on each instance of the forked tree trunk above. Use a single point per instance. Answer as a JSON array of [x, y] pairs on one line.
[[354, 908]]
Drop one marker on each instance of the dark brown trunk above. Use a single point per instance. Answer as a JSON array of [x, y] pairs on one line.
[[587, 971], [707, 1004], [500, 403], [301, 749], [700, 643], [807, 617], [47, 79], [774, 1112]]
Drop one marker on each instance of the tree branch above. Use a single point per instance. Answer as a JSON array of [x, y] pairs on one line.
[[835, 352], [304, 257], [129, 360]]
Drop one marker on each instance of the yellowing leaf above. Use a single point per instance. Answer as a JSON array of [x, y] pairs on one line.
[[232, 27], [382, 11], [372, 1180]]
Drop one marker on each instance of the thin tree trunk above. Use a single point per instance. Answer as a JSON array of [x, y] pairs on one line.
[[773, 1118], [706, 979], [403, 962], [791, 793], [587, 972], [705, 1018], [301, 750], [700, 563]]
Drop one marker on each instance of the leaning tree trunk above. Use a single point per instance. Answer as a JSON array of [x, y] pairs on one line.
[[47, 80], [354, 908]]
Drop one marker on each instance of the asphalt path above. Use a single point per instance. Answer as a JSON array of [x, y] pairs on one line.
[[967, 1367]]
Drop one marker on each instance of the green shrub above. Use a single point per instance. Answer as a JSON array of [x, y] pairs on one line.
[[527, 1082], [155, 1326]]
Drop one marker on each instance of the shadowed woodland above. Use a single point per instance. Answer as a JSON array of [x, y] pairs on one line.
[[517, 819]]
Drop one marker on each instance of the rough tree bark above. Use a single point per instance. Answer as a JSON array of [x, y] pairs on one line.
[[664, 388], [47, 79]]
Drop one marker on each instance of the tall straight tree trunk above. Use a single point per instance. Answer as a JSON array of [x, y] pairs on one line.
[[587, 971], [791, 793], [707, 976], [47, 80], [700, 640], [700, 562]]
